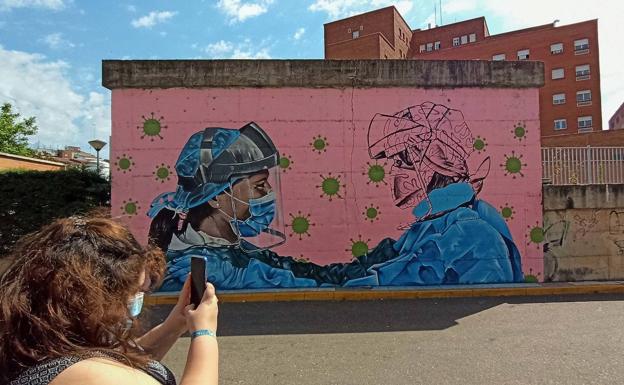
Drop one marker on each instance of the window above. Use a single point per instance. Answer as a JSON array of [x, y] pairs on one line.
[[557, 73], [561, 124], [436, 45], [556, 48], [464, 39], [498, 57], [455, 41], [349, 30], [523, 54], [584, 123], [401, 53], [581, 46], [356, 34], [361, 28], [582, 72], [429, 47], [472, 37], [422, 48], [583, 98], [559, 99]]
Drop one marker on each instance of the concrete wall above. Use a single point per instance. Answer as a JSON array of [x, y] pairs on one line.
[[338, 203], [584, 232], [10, 162]]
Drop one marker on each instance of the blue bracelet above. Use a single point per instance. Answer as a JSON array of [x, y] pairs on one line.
[[203, 332]]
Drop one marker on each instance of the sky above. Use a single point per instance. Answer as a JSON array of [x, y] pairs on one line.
[[51, 50]]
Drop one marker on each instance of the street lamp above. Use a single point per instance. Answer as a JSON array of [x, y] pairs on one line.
[[97, 146]]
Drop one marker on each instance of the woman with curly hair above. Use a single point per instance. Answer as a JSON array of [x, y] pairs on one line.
[[68, 308]]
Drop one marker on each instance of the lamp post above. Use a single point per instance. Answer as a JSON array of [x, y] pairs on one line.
[[97, 146]]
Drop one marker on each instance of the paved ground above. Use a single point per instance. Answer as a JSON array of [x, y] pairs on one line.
[[517, 340]]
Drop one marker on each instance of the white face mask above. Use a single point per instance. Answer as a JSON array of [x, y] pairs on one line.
[[136, 304]]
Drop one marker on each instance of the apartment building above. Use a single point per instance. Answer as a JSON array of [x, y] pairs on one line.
[[570, 99]]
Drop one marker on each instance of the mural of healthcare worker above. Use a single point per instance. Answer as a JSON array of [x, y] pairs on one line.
[[226, 209]]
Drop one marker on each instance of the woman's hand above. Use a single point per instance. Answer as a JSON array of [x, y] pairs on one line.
[[205, 316], [177, 319]]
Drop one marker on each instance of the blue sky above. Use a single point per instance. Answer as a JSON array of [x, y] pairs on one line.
[[51, 50]]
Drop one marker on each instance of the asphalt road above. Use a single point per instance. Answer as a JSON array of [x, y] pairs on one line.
[[517, 340]]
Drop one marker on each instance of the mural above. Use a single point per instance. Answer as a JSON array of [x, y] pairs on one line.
[[227, 206]]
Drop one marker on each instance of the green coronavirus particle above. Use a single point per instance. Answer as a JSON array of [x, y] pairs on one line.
[[536, 235], [519, 131], [124, 163], [331, 187], [300, 225], [359, 247], [371, 213], [532, 277], [319, 144], [285, 163], [479, 144], [513, 165], [507, 211], [376, 173], [130, 207], [162, 173], [152, 127]]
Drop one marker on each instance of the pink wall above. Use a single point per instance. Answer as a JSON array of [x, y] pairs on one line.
[[293, 117]]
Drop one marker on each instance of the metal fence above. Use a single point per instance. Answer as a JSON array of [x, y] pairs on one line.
[[582, 165]]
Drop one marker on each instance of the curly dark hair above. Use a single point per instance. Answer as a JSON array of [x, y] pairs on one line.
[[67, 291]]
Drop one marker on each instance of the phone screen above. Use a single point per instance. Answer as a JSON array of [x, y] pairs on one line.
[[198, 279]]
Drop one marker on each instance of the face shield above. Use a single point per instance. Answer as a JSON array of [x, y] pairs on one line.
[[255, 211]]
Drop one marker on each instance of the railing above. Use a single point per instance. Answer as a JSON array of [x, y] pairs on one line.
[[583, 165]]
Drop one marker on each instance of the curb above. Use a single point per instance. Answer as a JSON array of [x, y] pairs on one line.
[[362, 294]]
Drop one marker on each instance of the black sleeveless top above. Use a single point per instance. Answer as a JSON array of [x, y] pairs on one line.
[[45, 372]]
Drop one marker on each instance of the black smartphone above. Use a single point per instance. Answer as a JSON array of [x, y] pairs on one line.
[[198, 279]]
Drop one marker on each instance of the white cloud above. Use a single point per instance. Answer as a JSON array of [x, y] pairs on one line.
[[238, 10], [343, 8], [48, 4], [299, 33], [242, 50], [131, 8], [153, 18], [56, 41], [38, 87]]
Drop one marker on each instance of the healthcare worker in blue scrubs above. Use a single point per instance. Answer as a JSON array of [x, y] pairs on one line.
[[226, 210]]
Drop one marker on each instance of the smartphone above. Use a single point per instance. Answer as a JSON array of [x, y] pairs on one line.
[[198, 279]]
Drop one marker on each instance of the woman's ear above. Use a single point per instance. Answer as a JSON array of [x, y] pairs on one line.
[[214, 203]]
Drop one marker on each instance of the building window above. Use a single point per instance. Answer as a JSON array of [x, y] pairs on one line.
[[356, 34], [584, 123], [455, 41], [582, 72], [559, 99], [429, 47], [472, 37], [464, 39], [422, 48], [583, 98], [401, 54], [557, 73], [581, 46], [498, 57], [361, 28], [523, 54], [436, 45], [561, 124], [556, 48]]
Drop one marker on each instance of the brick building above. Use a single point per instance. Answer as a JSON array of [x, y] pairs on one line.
[[570, 104], [617, 120]]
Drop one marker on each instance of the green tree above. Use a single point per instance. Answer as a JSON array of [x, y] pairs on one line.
[[14, 132]]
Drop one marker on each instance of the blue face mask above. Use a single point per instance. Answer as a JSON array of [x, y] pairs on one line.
[[262, 212], [135, 305]]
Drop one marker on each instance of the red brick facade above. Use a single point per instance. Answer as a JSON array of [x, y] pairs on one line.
[[617, 120], [566, 99]]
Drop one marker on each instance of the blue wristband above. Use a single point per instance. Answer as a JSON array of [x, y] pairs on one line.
[[203, 332]]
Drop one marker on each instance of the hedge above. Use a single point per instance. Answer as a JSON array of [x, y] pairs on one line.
[[31, 199]]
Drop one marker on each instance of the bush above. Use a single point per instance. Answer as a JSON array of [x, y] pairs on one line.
[[31, 199]]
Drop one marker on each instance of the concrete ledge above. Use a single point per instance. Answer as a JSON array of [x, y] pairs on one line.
[[359, 294], [321, 73]]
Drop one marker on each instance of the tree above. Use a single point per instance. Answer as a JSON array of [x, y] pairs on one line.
[[14, 132]]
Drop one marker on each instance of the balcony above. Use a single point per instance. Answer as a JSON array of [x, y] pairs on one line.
[[582, 103], [582, 76], [581, 51]]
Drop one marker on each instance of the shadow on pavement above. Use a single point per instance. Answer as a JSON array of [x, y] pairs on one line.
[[274, 318]]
